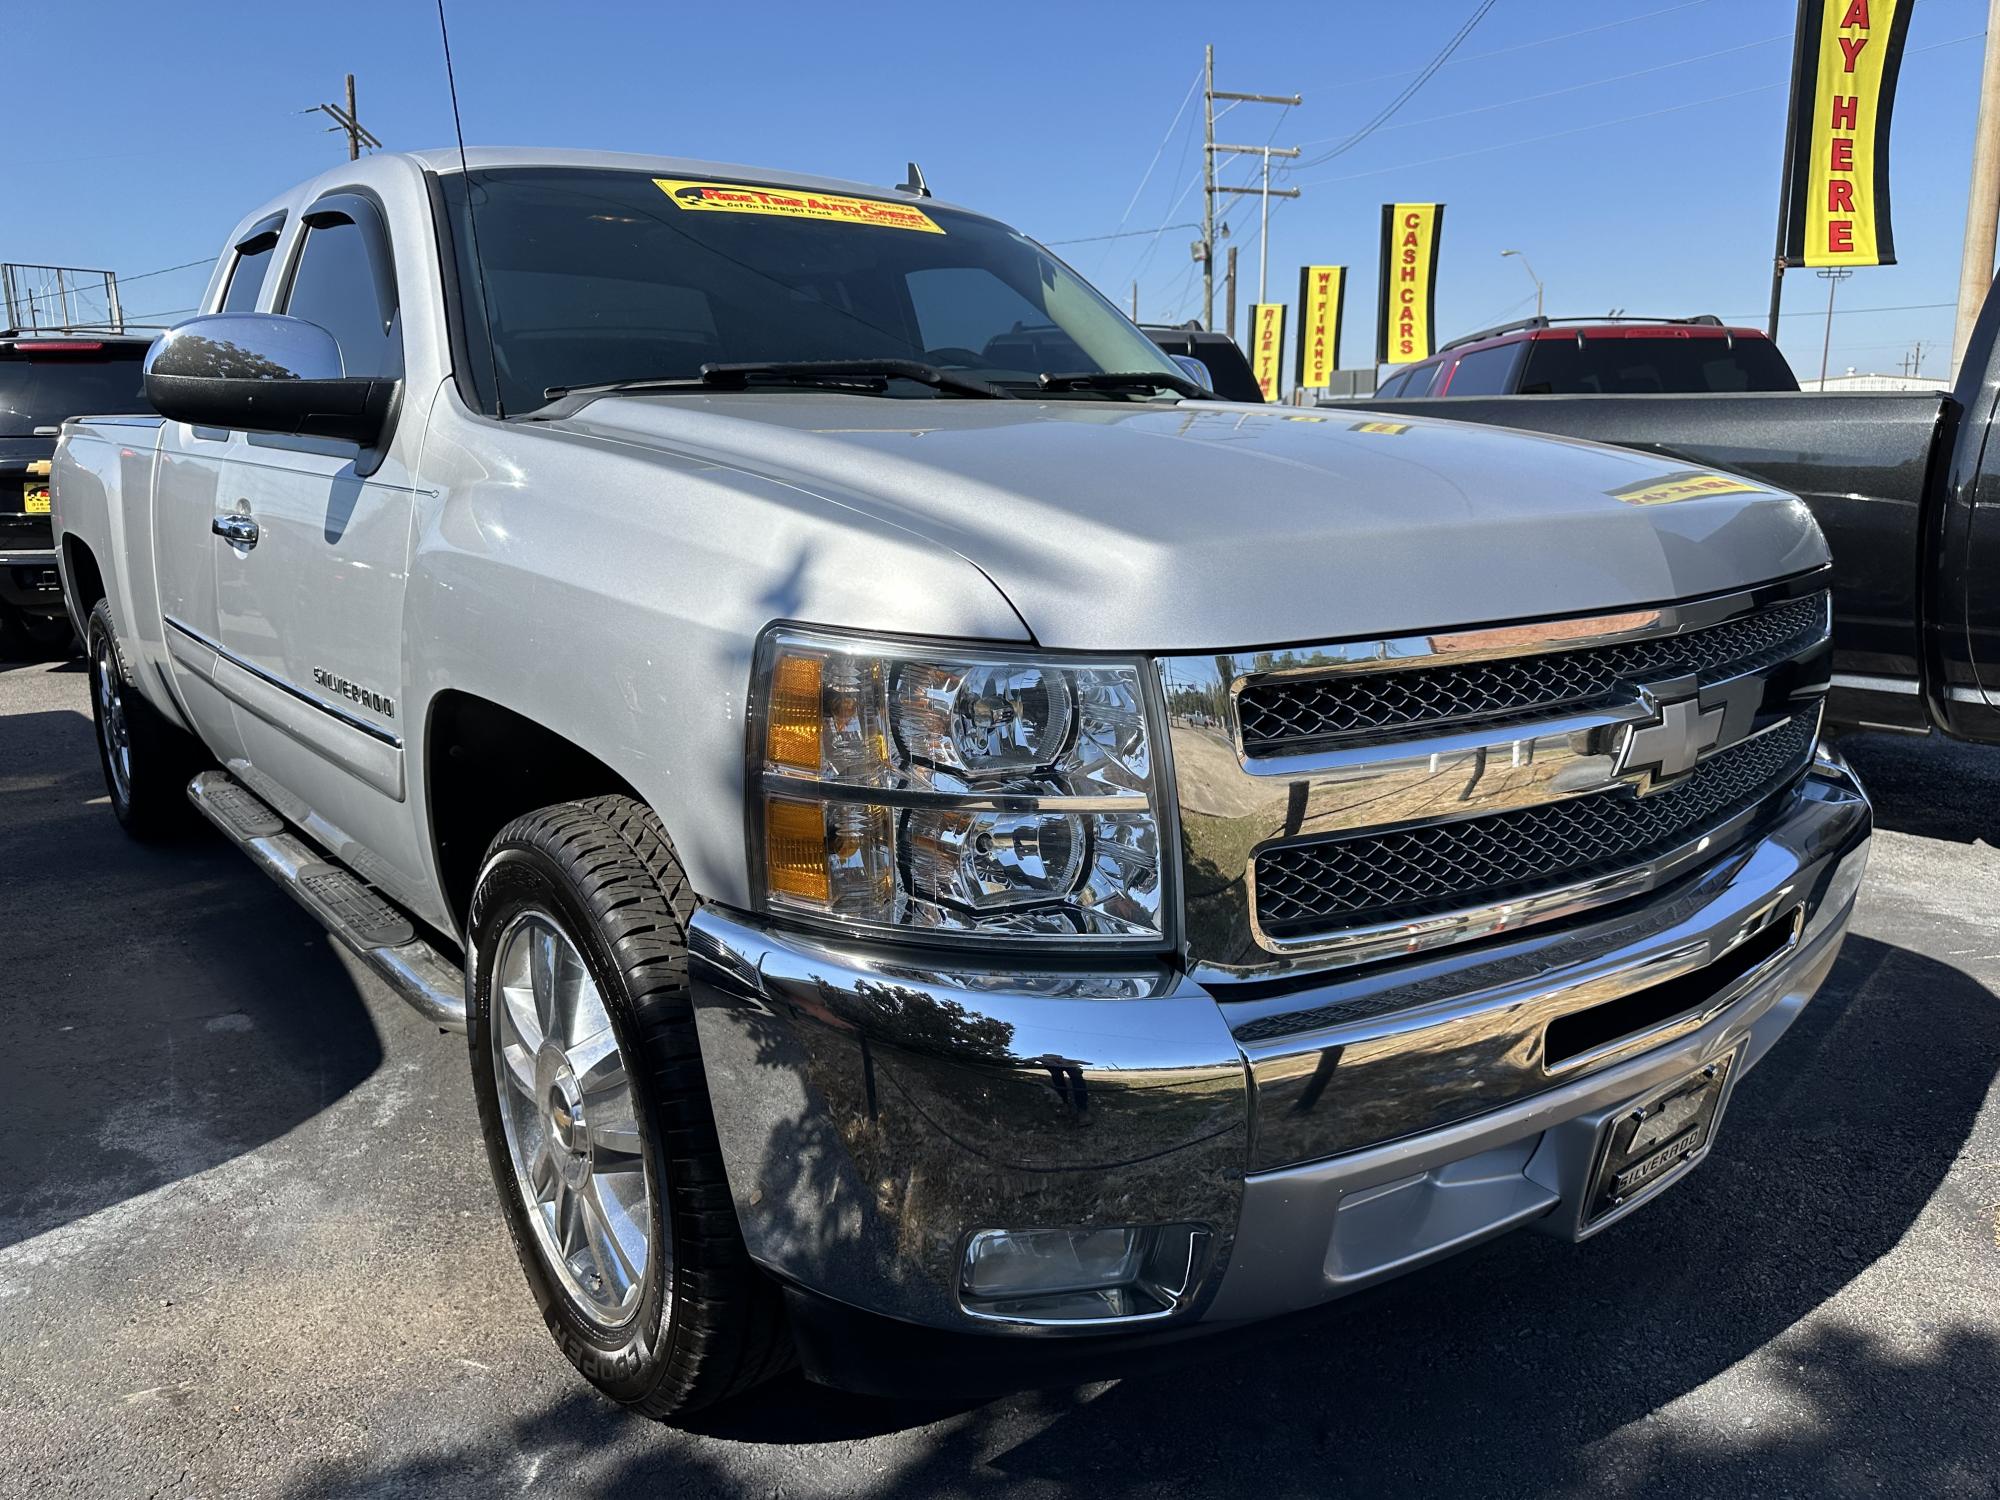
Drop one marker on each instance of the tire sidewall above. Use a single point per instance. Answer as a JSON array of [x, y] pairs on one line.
[[624, 1362], [100, 627]]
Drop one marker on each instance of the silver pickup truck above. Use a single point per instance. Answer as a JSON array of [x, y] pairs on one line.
[[958, 857]]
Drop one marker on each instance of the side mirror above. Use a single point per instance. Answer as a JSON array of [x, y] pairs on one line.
[[259, 372], [1195, 371]]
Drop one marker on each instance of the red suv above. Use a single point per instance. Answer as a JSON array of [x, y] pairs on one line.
[[1598, 357]]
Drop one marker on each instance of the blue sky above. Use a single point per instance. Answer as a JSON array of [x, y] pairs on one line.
[[1629, 148]]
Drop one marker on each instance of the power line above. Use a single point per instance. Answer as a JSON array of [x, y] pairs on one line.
[[206, 260], [1128, 234], [1574, 88], [1841, 312], [1542, 41], [1158, 152], [1409, 91], [1600, 124], [1146, 258]]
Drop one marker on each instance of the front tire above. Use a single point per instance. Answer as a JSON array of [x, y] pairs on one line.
[[595, 1111], [147, 762]]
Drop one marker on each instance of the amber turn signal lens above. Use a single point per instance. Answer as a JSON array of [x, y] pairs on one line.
[[795, 849], [797, 715]]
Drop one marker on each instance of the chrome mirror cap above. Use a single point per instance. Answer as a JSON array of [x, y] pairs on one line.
[[245, 346], [1195, 370]]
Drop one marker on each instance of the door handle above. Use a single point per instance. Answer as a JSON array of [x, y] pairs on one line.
[[237, 530]]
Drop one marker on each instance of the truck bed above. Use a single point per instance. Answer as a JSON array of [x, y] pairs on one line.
[[1860, 460]]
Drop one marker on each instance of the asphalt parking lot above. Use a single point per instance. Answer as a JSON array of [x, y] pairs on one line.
[[247, 1242]]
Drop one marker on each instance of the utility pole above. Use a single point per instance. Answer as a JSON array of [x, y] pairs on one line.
[[1832, 278], [1209, 188], [1208, 185], [1230, 282], [1266, 192], [1135, 302], [1975, 267], [348, 121]]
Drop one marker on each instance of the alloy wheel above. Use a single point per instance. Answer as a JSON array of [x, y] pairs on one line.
[[572, 1122]]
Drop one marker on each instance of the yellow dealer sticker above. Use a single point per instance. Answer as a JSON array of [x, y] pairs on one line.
[[1688, 484], [36, 500], [794, 203], [1384, 429]]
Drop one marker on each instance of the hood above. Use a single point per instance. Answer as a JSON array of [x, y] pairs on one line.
[[1120, 527]]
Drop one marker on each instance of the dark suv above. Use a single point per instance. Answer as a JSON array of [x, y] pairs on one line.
[[45, 378], [1598, 357]]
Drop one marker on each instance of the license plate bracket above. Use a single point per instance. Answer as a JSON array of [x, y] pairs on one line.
[[1652, 1142]]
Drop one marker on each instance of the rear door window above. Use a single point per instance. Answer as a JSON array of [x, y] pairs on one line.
[[246, 276], [1418, 379], [1485, 372]]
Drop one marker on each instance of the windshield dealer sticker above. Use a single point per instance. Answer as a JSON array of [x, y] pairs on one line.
[[791, 203], [1685, 484]]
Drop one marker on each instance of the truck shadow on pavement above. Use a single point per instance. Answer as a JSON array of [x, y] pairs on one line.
[[1535, 1367], [169, 1009]]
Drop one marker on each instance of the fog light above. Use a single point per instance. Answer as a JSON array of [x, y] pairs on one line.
[[1079, 1275]]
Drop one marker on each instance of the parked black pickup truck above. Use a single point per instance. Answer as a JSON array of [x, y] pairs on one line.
[[1904, 485]]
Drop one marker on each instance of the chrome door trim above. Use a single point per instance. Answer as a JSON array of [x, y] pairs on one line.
[[374, 731]]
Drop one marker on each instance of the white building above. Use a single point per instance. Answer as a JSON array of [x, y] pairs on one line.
[[1854, 381]]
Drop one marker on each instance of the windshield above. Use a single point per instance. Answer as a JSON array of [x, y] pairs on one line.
[[41, 390], [599, 276]]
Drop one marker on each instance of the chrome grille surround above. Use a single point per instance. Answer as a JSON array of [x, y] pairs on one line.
[[1288, 712], [1598, 814]]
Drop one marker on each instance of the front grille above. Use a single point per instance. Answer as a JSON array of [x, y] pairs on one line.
[[1410, 873], [1282, 714]]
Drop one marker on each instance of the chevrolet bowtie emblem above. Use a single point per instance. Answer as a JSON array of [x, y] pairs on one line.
[[1668, 748]]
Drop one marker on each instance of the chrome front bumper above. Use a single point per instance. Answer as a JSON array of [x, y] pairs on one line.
[[875, 1111]]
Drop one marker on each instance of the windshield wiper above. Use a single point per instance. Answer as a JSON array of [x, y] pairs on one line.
[[871, 375], [1123, 380]]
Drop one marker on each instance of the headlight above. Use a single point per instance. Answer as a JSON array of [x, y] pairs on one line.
[[920, 789]]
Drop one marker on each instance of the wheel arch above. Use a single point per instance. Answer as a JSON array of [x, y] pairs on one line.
[[86, 581], [485, 764]]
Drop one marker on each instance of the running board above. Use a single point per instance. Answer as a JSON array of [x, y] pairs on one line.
[[379, 934]]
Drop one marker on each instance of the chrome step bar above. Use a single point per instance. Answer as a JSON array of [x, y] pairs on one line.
[[371, 928]]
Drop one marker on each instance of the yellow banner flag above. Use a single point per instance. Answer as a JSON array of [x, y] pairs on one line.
[[1406, 311], [1844, 91], [1267, 345], [1322, 294]]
